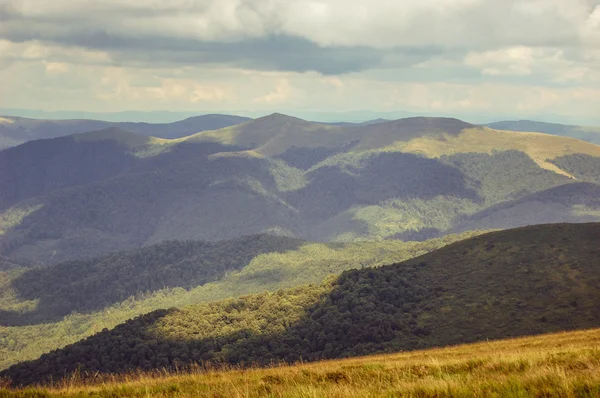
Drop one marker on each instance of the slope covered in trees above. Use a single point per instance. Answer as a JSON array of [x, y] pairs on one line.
[[575, 202], [88, 285], [274, 268], [502, 284]]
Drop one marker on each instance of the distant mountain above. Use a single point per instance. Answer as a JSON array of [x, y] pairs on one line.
[[585, 133], [415, 178], [17, 130], [365, 123], [511, 283]]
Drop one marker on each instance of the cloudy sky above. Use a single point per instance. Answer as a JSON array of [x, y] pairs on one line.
[[469, 58]]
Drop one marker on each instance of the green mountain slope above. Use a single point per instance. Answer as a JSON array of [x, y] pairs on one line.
[[112, 190], [576, 202], [91, 285], [502, 284], [270, 270]]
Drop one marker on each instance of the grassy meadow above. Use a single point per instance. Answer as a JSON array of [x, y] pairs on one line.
[[554, 365]]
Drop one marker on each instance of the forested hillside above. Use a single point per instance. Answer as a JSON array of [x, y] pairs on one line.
[[502, 284], [85, 289], [90, 194]]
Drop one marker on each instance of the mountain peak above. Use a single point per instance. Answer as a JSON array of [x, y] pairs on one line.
[[280, 118]]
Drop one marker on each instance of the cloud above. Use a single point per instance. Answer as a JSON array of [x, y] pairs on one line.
[[506, 61], [56, 67], [282, 92], [329, 36], [426, 55]]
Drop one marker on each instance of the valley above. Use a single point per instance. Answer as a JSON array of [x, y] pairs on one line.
[[279, 240]]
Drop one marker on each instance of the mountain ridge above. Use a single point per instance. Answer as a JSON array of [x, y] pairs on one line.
[[18, 130], [111, 190]]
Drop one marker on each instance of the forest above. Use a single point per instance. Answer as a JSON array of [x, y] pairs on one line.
[[545, 280], [310, 262]]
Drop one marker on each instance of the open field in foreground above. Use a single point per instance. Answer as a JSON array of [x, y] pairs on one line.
[[554, 365]]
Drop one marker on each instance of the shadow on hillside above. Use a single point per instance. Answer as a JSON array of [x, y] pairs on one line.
[[462, 293], [555, 205], [383, 176], [124, 211], [91, 285], [304, 158], [420, 235]]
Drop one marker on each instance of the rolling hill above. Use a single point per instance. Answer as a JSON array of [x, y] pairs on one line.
[[105, 291], [510, 283], [94, 193], [585, 133], [17, 130]]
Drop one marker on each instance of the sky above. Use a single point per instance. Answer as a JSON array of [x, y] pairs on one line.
[[472, 59]]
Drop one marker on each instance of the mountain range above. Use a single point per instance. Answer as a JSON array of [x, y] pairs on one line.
[[92, 193], [17, 130]]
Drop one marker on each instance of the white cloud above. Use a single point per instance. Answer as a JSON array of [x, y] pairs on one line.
[[56, 67], [519, 56], [281, 93], [506, 61]]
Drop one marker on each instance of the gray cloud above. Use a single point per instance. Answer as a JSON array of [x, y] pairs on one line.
[[330, 37]]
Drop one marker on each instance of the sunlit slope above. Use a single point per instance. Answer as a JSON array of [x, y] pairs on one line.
[[510, 283], [542, 148], [275, 134], [551, 365]]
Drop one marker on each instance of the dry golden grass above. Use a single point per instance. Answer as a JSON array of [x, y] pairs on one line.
[[540, 147], [555, 365]]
